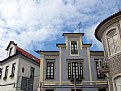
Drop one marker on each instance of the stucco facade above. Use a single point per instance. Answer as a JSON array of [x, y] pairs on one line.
[[109, 33], [15, 71], [64, 61]]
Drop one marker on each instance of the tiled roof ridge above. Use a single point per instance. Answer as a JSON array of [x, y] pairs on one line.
[[28, 54]]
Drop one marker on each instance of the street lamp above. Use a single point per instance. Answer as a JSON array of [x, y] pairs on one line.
[[41, 83], [75, 82]]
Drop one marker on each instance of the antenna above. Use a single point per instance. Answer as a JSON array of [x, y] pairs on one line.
[[79, 26]]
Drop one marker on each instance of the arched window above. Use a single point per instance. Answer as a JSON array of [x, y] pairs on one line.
[[118, 83], [113, 41]]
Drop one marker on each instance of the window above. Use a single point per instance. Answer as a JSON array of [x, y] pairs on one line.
[[10, 51], [75, 70], [32, 72], [69, 70], [13, 70], [102, 89], [76, 90], [22, 69], [113, 42], [0, 73], [6, 72], [99, 74], [74, 49], [26, 84], [49, 90], [50, 70], [118, 83]]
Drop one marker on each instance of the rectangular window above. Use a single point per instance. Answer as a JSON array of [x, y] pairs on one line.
[[6, 72], [99, 74], [74, 49], [69, 70], [0, 73], [50, 70], [32, 72], [10, 51], [75, 70], [81, 70], [13, 69]]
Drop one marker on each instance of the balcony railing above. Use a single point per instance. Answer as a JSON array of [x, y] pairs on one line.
[[74, 51], [104, 67], [76, 80]]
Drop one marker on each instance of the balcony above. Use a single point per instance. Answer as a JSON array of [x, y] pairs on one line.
[[74, 51], [104, 67], [76, 80]]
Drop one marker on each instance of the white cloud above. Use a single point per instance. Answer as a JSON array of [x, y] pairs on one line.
[[89, 33], [30, 23]]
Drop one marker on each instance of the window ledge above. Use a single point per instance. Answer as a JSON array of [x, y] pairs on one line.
[[12, 75], [77, 81], [4, 78], [74, 54], [47, 79]]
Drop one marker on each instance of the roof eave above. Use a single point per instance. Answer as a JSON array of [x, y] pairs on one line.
[[103, 22]]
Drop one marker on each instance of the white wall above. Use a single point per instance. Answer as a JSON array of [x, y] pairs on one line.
[[9, 79], [13, 51], [27, 64]]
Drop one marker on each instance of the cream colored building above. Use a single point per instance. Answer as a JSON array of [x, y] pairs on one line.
[[74, 66]]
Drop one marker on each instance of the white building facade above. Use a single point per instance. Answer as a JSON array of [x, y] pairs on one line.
[[19, 71]]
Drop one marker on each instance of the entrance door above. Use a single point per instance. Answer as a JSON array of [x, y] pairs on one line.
[[49, 90], [76, 90], [102, 89]]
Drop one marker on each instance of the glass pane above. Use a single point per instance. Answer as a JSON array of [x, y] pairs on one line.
[[118, 88]]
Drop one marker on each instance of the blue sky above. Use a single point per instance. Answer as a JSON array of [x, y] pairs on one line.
[[39, 24]]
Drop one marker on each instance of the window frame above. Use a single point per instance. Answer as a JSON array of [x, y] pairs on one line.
[[117, 39], [10, 51], [32, 72], [80, 70], [13, 70], [74, 47], [1, 73], [49, 71], [75, 70], [6, 72], [100, 76]]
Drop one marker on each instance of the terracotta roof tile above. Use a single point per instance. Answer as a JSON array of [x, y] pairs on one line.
[[28, 54]]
